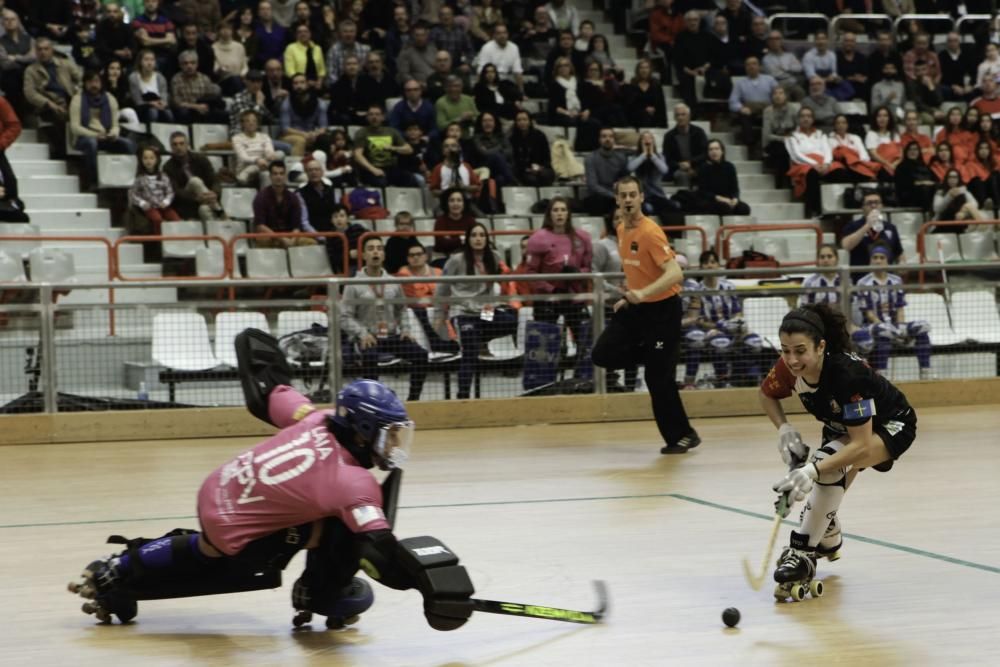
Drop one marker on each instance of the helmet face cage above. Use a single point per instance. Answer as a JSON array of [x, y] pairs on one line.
[[375, 413], [392, 445]]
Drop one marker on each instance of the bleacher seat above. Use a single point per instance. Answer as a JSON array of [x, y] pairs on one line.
[[518, 200], [11, 268], [978, 244], [405, 199], [227, 229], [931, 308], [309, 261], [942, 248], [853, 108], [775, 245], [267, 263], [690, 247], [227, 325], [513, 223], [238, 202], [203, 134], [184, 248], [162, 132], [181, 343], [552, 132], [18, 248], [51, 265], [907, 222], [763, 316], [832, 197], [116, 171], [733, 220], [210, 262], [974, 315], [550, 191], [593, 225], [290, 321], [801, 245]]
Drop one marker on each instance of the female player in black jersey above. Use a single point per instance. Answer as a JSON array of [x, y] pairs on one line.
[[867, 423]]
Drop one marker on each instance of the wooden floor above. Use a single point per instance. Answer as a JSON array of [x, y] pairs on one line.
[[537, 513]]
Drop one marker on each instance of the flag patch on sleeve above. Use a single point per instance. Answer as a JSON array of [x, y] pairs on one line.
[[365, 515], [863, 409]]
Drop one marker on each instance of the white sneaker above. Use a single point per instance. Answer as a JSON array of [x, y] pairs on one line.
[[927, 374]]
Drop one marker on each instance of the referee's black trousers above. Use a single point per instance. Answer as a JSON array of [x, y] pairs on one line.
[[649, 334]]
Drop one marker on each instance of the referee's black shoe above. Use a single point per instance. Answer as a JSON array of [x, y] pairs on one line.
[[689, 441]]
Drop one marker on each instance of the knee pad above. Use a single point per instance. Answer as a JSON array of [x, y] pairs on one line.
[[333, 601], [754, 342], [695, 338], [720, 343], [917, 327], [733, 326], [883, 331], [831, 477], [863, 341]]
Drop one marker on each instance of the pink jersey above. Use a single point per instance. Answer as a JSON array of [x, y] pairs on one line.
[[298, 476], [549, 252]]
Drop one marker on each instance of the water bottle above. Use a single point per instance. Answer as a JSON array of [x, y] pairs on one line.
[[143, 394], [879, 224]]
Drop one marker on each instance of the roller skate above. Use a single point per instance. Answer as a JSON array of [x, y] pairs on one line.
[[829, 546], [346, 609], [98, 584], [795, 575]]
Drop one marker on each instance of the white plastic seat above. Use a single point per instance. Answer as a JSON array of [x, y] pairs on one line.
[[210, 262], [227, 229], [907, 222], [290, 321], [801, 245], [832, 196], [267, 263], [180, 342], [591, 224], [116, 171], [238, 202], [309, 261], [513, 224], [775, 246], [978, 246], [183, 248], [207, 133], [18, 248], [162, 131], [227, 325], [763, 316], [859, 108], [974, 316], [51, 265], [11, 268], [690, 247], [732, 220], [405, 199], [518, 200], [931, 308], [550, 191], [709, 223], [942, 248]]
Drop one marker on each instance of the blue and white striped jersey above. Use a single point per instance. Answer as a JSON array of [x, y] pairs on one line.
[[820, 280], [716, 307], [882, 296]]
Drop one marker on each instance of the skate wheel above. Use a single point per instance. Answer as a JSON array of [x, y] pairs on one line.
[[834, 556], [816, 588], [338, 623], [302, 618], [126, 615], [89, 608], [780, 594], [798, 592], [73, 587]]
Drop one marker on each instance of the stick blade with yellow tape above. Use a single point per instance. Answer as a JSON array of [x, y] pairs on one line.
[[550, 613]]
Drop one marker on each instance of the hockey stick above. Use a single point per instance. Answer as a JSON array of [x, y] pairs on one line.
[[551, 613], [780, 512]]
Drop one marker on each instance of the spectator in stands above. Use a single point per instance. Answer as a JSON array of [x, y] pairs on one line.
[[849, 150], [826, 258], [812, 161], [398, 34], [538, 36], [456, 217], [376, 151], [649, 166], [924, 95], [870, 228], [455, 107], [348, 105], [284, 12], [150, 94], [276, 209], [685, 146], [643, 97], [413, 108], [981, 174], [718, 184], [415, 163], [438, 80], [955, 133], [988, 132], [820, 62], [11, 207], [151, 191], [665, 24], [915, 182], [489, 94], [303, 56], [115, 84], [885, 51], [601, 93], [251, 98], [396, 247], [779, 120], [195, 98], [953, 201], [453, 173], [504, 55], [49, 84], [784, 66], [196, 187], [942, 162], [823, 106], [911, 132], [415, 266], [276, 87], [476, 321], [303, 116], [115, 39], [206, 16], [990, 67], [602, 168], [563, 15], [254, 152], [191, 40], [725, 56], [989, 101], [564, 49], [531, 158], [749, 98], [958, 69], [231, 63], [852, 65], [598, 52], [346, 45], [318, 198], [485, 17], [416, 60], [340, 221], [156, 32], [921, 51], [449, 36], [491, 149], [377, 84], [882, 306], [379, 329], [566, 107], [755, 43], [93, 121], [52, 20], [889, 92], [557, 247], [271, 35], [246, 34]]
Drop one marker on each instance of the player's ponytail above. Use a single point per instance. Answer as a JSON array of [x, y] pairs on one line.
[[819, 322]]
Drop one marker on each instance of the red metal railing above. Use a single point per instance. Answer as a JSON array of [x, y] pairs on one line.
[[160, 238], [688, 228], [367, 235]]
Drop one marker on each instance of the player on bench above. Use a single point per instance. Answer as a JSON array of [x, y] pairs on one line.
[[306, 487]]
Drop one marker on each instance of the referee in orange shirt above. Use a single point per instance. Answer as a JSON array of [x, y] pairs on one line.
[[646, 325]]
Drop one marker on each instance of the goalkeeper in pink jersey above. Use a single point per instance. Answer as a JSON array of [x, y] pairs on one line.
[[307, 487]]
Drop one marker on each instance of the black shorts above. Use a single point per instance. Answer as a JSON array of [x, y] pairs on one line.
[[897, 434], [271, 552]]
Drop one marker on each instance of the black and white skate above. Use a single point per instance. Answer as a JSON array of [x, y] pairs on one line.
[[829, 546], [795, 575], [97, 585]]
